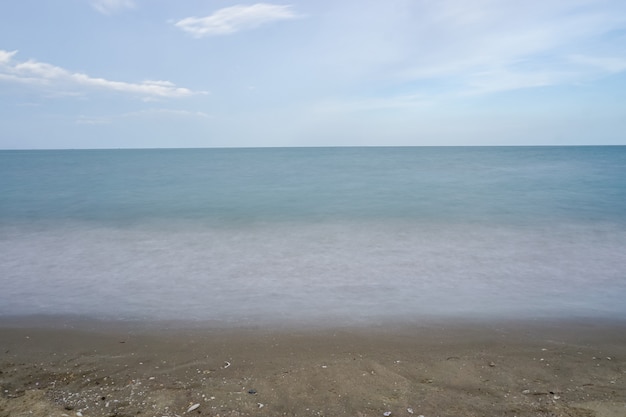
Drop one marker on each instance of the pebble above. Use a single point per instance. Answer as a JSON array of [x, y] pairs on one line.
[[193, 407], [252, 391], [409, 410]]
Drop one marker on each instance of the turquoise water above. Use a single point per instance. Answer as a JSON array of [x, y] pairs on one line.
[[306, 234]]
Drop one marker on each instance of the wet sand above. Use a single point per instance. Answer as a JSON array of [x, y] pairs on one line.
[[60, 367]]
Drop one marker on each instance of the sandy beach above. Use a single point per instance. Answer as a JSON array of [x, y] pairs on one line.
[[60, 367]]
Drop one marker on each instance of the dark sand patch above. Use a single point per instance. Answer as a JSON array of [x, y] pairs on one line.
[[441, 369]]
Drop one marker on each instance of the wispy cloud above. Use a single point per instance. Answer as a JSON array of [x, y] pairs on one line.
[[453, 48], [235, 19], [505, 79], [142, 114], [112, 6], [84, 120], [53, 77], [400, 102], [168, 112], [609, 64], [514, 47]]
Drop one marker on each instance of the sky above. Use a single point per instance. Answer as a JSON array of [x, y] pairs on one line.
[[220, 73]]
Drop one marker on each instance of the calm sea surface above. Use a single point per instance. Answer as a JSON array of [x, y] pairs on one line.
[[352, 235]]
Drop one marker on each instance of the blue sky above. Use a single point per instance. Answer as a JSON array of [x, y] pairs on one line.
[[216, 73]]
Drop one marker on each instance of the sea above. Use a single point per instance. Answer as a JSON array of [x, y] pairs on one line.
[[333, 236]]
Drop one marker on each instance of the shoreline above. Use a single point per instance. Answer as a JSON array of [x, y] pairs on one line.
[[69, 366]]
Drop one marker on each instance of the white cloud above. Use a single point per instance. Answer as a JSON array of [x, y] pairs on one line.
[[51, 76], [235, 19], [111, 6], [6, 56]]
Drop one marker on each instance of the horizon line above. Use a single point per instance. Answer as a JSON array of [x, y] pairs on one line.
[[313, 147]]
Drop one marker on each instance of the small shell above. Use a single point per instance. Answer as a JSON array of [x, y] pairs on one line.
[[193, 407]]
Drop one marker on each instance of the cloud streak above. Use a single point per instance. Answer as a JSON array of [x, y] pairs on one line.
[[453, 48], [144, 114], [53, 77], [109, 7], [234, 19]]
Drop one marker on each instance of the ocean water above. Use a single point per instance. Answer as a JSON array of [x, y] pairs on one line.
[[314, 235]]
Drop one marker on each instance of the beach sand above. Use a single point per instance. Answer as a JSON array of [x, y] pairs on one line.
[[61, 367]]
